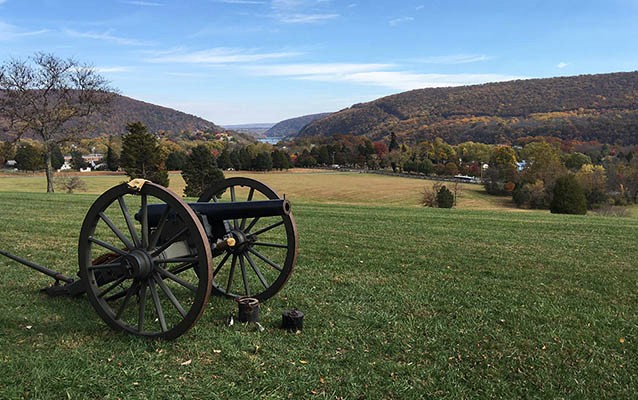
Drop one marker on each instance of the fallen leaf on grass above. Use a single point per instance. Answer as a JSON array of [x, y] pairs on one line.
[[187, 362]]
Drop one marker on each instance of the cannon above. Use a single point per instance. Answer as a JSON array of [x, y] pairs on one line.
[[148, 261]]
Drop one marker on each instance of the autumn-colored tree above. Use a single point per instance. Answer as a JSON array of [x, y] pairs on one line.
[[502, 169]]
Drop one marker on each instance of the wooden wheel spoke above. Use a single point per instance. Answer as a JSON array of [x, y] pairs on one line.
[[167, 291], [158, 306], [159, 229], [251, 193], [129, 294], [144, 221], [269, 227], [98, 267], [251, 225], [266, 244], [221, 263], [231, 273], [169, 242], [142, 310], [129, 245], [107, 246], [112, 286], [233, 198], [244, 277], [257, 271], [181, 268], [176, 279], [264, 259], [129, 221]]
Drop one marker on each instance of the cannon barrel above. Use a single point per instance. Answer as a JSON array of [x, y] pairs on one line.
[[225, 211]]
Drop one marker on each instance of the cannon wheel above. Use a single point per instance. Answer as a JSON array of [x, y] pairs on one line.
[[157, 279], [266, 248]]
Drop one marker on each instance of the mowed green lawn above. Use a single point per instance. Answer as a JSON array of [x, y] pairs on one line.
[[400, 302]]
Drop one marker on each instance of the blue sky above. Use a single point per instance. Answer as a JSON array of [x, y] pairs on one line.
[[249, 61]]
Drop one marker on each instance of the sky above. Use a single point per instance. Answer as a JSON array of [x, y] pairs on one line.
[[261, 61]]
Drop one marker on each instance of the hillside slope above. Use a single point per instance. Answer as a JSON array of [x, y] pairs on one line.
[[600, 107], [293, 126], [156, 118]]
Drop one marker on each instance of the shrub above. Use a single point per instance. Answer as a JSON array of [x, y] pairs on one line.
[[429, 194], [444, 198], [569, 197], [531, 195], [70, 184]]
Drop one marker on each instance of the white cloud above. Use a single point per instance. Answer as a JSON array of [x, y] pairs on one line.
[[143, 3], [375, 75], [240, 1], [399, 21], [111, 70], [454, 59], [10, 32], [220, 55], [107, 37], [301, 11], [312, 71], [561, 65], [306, 18]]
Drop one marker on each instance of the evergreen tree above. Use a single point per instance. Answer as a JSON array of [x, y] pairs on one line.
[[263, 162], [57, 158], [569, 197], [223, 161], [444, 198], [176, 161], [200, 171], [142, 155], [77, 162], [245, 159], [29, 158], [235, 160], [112, 159]]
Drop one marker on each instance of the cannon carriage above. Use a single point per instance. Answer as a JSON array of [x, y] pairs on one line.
[[148, 261]]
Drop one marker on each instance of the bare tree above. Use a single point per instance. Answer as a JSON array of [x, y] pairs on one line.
[[50, 98]]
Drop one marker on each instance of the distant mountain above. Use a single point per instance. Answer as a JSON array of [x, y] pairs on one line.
[[257, 130], [156, 118], [601, 107], [169, 122], [293, 126]]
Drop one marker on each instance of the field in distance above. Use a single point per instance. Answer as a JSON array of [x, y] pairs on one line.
[[301, 185]]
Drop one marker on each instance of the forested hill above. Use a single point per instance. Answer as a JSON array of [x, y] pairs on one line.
[[292, 126], [600, 107], [156, 118]]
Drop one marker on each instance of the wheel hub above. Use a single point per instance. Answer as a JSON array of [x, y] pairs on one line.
[[140, 263], [242, 241]]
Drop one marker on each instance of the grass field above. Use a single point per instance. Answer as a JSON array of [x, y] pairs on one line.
[[315, 186], [400, 301]]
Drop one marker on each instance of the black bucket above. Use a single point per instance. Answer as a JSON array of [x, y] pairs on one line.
[[248, 309], [292, 320]]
